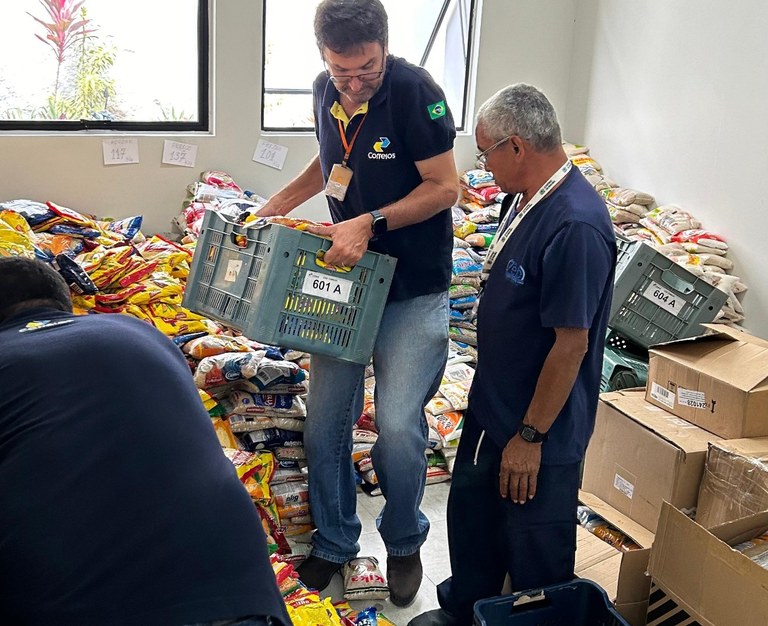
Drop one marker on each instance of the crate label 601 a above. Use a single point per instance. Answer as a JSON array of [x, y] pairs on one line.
[[329, 287], [664, 298]]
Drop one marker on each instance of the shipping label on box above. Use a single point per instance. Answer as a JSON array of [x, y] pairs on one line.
[[641, 455], [700, 572], [718, 381]]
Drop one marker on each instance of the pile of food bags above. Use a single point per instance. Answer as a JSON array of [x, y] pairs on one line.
[[668, 228]]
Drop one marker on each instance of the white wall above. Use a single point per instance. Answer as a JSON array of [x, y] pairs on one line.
[[522, 40], [670, 95]]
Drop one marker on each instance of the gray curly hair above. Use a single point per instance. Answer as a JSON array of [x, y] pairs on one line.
[[524, 111]]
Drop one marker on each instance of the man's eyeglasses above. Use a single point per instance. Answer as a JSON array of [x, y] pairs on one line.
[[367, 77], [482, 157]]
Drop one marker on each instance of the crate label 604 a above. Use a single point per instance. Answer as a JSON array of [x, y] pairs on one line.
[[664, 298], [329, 287]]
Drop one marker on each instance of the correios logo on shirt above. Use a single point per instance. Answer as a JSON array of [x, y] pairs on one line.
[[379, 150]]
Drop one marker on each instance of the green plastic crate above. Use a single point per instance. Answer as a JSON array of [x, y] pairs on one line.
[[657, 300], [265, 282]]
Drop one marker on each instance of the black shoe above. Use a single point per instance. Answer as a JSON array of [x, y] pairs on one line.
[[316, 573], [404, 577], [436, 617]]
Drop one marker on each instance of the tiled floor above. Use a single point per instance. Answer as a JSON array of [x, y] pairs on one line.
[[434, 553]]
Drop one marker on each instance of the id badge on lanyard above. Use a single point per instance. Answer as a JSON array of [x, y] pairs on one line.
[[338, 182], [513, 220], [341, 174]]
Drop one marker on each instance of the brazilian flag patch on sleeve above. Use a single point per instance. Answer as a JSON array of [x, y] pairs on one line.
[[436, 110]]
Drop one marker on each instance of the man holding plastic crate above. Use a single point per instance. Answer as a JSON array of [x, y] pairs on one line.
[[386, 166], [541, 329]]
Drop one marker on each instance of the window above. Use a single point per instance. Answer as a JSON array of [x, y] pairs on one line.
[[99, 64], [435, 34]]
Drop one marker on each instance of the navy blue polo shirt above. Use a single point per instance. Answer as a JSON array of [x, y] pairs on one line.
[[118, 505], [407, 121], [556, 271]]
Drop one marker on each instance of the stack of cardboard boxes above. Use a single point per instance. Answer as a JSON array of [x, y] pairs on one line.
[[693, 444]]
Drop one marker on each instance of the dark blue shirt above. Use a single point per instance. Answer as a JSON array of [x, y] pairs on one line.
[[407, 121], [117, 505], [556, 271]]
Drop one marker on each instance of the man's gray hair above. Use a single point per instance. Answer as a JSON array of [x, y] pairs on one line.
[[524, 111]]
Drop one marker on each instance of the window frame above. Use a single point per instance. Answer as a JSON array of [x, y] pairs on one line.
[[202, 124], [471, 59]]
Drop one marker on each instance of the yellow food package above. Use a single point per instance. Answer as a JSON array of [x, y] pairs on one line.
[[108, 238], [224, 433], [136, 269], [115, 262], [15, 236], [169, 327], [259, 491], [158, 248], [13, 243], [466, 228], [89, 261], [209, 402], [177, 318], [319, 613], [82, 303], [16, 222], [159, 287]]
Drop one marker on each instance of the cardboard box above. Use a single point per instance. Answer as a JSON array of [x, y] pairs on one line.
[[640, 455], [701, 574], [597, 561], [621, 574], [718, 382], [735, 482]]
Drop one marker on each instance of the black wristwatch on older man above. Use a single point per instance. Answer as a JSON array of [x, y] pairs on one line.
[[530, 434]]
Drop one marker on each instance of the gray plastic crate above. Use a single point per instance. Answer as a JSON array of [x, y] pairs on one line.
[[265, 282], [657, 300], [622, 370]]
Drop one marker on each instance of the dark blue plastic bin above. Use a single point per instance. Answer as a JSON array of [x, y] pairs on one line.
[[577, 603]]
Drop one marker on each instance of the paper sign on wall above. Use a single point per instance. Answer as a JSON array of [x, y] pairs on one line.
[[120, 151], [181, 154], [271, 154]]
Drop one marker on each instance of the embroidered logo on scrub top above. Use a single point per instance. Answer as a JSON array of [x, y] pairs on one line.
[[379, 150], [43, 324], [515, 273], [436, 110]]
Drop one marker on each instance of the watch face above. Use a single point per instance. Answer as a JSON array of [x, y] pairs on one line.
[[528, 432], [379, 225]]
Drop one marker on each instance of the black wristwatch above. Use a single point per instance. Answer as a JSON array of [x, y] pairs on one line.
[[530, 434], [378, 223]]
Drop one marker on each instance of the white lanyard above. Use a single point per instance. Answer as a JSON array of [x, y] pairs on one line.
[[512, 220]]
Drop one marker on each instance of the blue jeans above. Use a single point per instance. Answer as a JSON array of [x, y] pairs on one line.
[[409, 358]]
